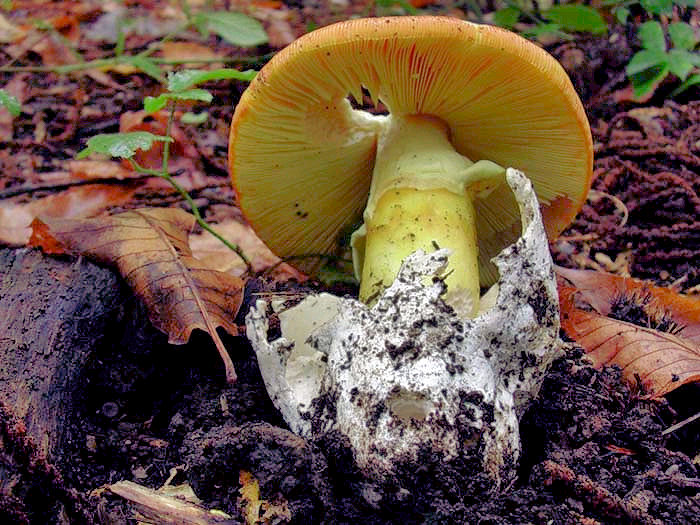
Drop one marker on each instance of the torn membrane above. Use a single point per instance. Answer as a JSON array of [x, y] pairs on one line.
[[409, 375]]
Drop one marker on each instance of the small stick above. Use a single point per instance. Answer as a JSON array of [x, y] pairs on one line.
[[680, 424], [166, 510]]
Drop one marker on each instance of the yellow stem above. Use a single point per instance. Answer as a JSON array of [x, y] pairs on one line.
[[421, 197], [408, 219]]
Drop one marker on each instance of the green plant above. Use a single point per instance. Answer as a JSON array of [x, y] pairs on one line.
[[557, 20], [622, 8], [653, 63], [235, 28], [10, 103], [181, 88]]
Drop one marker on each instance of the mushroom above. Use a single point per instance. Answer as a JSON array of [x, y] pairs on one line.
[[463, 101]]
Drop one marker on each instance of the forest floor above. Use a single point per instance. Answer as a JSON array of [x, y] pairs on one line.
[[594, 446]]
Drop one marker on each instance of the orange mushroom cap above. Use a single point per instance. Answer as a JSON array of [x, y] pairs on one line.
[[301, 159]]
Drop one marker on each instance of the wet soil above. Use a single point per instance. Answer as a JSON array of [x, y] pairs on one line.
[[594, 451]]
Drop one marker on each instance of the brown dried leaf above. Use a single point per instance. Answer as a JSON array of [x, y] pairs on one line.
[[209, 249], [601, 289], [99, 169], [149, 247], [278, 24], [78, 201], [10, 32], [188, 51], [19, 88], [181, 149], [662, 361]]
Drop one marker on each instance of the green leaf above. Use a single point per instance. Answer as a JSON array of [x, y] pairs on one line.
[[506, 17], [646, 59], [682, 36], [646, 81], [194, 118], [680, 63], [187, 78], [546, 29], [622, 14], [121, 43], [123, 145], [651, 35], [685, 3], [10, 103], [236, 28], [153, 104], [657, 7], [146, 65], [693, 80], [575, 17]]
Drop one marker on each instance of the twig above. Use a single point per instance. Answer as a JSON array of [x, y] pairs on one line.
[[680, 424], [596, 495], [33, 188], [162, 509], [124, 59]]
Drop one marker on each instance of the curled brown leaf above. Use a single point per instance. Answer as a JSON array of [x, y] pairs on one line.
[[150, 249], [663, 361]]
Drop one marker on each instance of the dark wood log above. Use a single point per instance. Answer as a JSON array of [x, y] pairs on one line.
[[57, 315], [53, 314]]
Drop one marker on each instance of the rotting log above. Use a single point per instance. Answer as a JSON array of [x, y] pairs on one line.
[[55, 313], [56, 316]]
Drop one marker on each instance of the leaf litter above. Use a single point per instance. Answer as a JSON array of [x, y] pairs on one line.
[[150, 249], [646, 158], [636, 326]]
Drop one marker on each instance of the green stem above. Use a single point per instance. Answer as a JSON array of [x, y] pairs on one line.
[[195, 210], [124, 59]]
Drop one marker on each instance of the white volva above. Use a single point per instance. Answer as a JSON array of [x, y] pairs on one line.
[[408, 373]]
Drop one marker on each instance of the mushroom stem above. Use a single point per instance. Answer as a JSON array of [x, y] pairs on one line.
[[421, 197]]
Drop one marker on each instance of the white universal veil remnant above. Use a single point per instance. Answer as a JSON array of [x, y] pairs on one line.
[[409, 374], [464, 101]]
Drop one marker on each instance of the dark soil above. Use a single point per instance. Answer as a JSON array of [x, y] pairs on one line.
[[147, 411]]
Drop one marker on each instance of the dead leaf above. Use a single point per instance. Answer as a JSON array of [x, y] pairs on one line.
[[14, 223], [209, 249], [168, 506], [268, 4], [601, 289], [9, 32], [156, 123], [149, 247], [188, 51], [662, 361], [78, 201], [250, 497], [99, 169], [67, 26], [257, 510], [278, 25], [18, 88], [53, 51]]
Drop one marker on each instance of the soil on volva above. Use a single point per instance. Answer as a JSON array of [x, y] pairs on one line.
[[594, 450]]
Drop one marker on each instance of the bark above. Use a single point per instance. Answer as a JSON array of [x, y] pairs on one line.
[[57, 318], [55, 313]]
